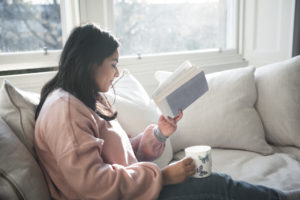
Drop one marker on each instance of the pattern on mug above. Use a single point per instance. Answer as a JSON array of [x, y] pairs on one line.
[[200, 171], [204, 159]]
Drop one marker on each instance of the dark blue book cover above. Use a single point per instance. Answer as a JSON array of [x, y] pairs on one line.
[[186, 94]]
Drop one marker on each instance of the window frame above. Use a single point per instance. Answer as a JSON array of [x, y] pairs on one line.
[[106, 20], [101, 12], [14, 61]]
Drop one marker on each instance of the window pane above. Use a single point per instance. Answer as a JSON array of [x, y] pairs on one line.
[[28, 25], [155, 26]]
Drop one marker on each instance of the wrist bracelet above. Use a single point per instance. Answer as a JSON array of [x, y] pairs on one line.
[[159, 135]]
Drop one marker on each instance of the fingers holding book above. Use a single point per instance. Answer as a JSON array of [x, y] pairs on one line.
[[168, 125], [179, 116], [175, 119]]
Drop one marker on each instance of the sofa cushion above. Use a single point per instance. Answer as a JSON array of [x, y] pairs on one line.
[[136, 110], [278, 102], [223, 117], [17, 108], [279, 170], [7, 189], [20, 176]]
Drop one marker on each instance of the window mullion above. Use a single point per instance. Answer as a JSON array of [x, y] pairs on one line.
[[233, 24], [70, 16], [99, 12]]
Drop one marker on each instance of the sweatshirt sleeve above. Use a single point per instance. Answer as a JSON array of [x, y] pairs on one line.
[[146, 146], [87, 174], [78, 157]]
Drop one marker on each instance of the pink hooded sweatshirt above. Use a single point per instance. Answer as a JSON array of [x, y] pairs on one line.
[[85, 157]]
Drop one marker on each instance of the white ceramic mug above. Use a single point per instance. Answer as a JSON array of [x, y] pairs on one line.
[[202, 157]]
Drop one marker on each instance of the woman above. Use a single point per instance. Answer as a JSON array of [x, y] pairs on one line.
[[84, 152]]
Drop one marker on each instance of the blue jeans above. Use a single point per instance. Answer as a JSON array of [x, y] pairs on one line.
[[218, 187]]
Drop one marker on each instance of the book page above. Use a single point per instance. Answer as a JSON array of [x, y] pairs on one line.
[[163, 92], [164, 107], [182, 69]]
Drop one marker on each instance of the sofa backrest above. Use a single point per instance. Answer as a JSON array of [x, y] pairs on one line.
[[20, 174]]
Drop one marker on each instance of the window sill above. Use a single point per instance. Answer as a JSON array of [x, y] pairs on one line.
[[10, 62], [37, 61], [143, 68], [210, 60]]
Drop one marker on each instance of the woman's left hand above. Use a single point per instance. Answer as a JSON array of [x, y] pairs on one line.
[[168, 125]]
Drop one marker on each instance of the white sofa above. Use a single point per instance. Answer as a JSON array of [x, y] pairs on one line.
[[250, 117]]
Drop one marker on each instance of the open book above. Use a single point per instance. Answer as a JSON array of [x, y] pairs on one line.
[[181, 89]]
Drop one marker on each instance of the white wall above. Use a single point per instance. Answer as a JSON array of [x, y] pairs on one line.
[[267, 30]]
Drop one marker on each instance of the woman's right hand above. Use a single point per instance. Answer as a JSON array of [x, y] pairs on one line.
[[177, 172]]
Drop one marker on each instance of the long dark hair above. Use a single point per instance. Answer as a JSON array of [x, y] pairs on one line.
[[86, 46]]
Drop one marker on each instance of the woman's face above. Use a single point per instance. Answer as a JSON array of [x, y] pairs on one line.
[[107, 71]]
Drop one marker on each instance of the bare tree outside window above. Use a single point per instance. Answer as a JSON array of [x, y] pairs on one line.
[[30, 25], [156, 26]]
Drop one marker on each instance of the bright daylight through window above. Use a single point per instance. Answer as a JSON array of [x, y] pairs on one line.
[[156, 26], [29, 25]]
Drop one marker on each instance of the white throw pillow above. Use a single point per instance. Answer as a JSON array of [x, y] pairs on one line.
[[278, 101], [17, 108], [224, 117], [136, 110]]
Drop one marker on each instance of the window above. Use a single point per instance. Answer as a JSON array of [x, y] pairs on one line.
[[30, 25], [156, 26], [32, 33], [169, 30]]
